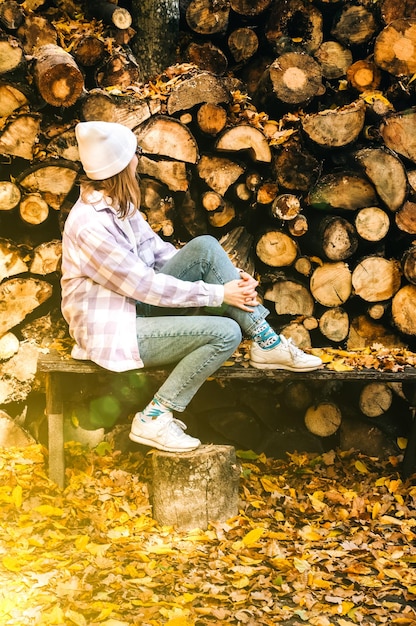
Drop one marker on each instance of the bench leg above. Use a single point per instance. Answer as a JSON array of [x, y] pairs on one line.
[[54, 411]]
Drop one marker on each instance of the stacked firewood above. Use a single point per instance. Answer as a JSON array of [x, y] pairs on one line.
[[285, 130]]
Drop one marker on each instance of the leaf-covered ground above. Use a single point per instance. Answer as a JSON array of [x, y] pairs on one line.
[[320, 540]]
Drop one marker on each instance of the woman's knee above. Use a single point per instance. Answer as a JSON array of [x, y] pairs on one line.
[[231, 331], [204, 243]]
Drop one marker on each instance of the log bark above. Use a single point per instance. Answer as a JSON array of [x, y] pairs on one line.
[[11, 14], [156, 23], [249, 8], [58, 78], [89, 51], [192, 489], [294, 167], [238, 244], [333, 237]]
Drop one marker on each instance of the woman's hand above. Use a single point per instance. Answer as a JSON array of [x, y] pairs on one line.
[[242, 293]]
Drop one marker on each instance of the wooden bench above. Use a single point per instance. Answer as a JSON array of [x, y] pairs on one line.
[[56, 366]]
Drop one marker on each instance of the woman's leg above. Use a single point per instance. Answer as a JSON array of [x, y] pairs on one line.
[[203, 258], [198, 345]]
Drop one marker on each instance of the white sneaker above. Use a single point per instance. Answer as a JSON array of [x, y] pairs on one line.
[[164, 433], [284, 356]]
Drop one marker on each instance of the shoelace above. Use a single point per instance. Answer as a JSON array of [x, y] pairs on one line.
[[174, 424], [293, 349]]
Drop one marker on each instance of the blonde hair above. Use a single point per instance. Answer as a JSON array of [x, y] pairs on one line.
[[123, 189]]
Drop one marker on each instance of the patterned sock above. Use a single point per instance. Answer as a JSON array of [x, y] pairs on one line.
[[153, 410], [265, 336]]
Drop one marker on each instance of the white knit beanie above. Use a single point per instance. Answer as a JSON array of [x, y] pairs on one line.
[[105, 148]]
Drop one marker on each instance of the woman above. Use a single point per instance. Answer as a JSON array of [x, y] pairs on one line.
[[127, 295]]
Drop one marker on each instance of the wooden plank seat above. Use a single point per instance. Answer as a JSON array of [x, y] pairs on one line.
[[56, 366]]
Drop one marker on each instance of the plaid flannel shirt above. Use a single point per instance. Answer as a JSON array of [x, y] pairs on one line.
[[109, 264]]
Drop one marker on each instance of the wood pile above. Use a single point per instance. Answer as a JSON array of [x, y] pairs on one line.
[[285, 130]]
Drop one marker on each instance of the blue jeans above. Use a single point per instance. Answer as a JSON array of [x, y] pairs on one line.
[[197, 341]]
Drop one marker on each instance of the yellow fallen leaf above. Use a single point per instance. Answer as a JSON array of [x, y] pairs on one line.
[[301, 564], [241, 582], [81, 542], [339, 366], [376, 510], [17, 496], [361, 467], [253, 536], [50, 511], [11, 564], [402, 443]]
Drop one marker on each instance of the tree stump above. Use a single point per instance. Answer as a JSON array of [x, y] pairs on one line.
[[193, 488]]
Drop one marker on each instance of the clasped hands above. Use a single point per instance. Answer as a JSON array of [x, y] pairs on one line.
[[241, 292]]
